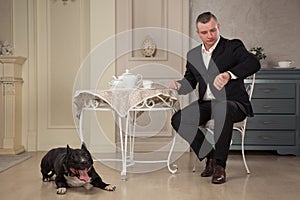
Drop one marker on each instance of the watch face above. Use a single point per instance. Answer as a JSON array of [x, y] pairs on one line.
[[148, 47]]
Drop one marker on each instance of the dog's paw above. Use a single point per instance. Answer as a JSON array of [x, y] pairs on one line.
[[48, 179], [110, 188], [61, 190]]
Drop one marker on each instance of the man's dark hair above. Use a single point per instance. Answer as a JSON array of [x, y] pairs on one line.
[[205, 17]]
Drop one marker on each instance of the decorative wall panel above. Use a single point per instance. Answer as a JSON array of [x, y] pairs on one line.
[[143, 14], [165, 23], [64, 60]]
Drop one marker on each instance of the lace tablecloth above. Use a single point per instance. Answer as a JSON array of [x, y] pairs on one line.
[[124, 100]]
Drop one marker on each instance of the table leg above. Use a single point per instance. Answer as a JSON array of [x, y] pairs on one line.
[[132, 134], [80, 126], [123, 151], [173, 171], [132, 137]]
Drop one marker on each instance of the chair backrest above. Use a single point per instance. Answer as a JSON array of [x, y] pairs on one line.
[[250, 87]]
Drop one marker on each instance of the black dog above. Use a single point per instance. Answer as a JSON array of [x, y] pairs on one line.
[[73, 168]]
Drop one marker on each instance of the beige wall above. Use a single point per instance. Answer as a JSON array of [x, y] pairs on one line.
[[102, 29], [6, 21], [274, 25]]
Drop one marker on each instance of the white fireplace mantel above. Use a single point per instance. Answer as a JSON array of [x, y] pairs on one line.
[[11, 104]]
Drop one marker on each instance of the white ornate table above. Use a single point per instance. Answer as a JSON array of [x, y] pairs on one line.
[[127, 103]]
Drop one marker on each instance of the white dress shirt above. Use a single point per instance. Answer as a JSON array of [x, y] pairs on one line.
[[206, 55]]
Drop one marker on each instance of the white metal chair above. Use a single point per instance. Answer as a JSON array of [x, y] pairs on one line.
[[239, 126]]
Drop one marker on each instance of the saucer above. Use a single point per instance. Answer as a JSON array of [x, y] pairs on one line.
[[290, 67]]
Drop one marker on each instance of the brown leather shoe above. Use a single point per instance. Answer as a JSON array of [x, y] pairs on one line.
[[219, 175], [209, 168]]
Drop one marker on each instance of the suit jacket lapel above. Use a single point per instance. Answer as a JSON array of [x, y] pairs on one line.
[[197, 61], [212, 67], [202, 65], [219, 49]]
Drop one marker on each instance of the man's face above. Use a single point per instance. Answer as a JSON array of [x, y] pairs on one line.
[[209, 32]]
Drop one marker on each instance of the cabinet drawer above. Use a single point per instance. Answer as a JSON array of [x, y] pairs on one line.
[[274, 90], [280, 106], [266, 138], [272, 122]]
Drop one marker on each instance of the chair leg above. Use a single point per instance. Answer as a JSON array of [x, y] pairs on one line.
[[243, 152], [195, 163]]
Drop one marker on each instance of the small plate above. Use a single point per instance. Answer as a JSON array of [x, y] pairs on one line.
[[290, 67]]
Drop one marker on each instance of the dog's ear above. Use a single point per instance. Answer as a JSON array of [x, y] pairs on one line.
[[83, 146], [68, 149]]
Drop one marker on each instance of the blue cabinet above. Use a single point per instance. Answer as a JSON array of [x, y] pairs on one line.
[[276, 105]]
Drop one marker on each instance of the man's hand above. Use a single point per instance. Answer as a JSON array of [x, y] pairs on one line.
[[174, 85], [221, 80]]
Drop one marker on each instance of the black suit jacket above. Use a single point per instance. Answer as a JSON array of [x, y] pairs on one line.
[[229, 55]]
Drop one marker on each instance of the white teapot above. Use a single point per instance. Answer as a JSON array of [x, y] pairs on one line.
[[116, 83], [127, 80]]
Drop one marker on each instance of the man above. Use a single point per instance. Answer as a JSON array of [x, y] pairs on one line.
[[218, 66]]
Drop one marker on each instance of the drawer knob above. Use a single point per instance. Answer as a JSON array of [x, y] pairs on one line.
[[267, 106], [264, 137], [268, 90], [267, 122]]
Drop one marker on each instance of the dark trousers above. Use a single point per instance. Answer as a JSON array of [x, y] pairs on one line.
[[225, 113]]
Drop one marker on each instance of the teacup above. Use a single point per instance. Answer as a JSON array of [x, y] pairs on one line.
[[147, 84], [285, 63]]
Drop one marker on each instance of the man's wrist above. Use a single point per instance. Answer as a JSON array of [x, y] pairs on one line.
[[232, 76], [229, 75]]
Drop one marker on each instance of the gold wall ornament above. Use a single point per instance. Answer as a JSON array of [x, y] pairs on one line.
[[6, 49], [148, 47]]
